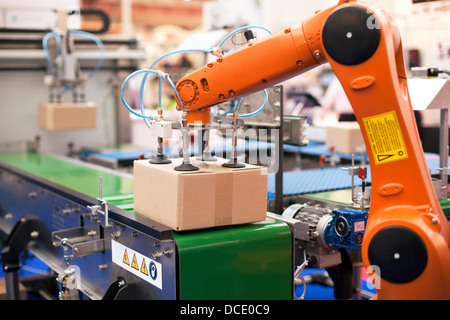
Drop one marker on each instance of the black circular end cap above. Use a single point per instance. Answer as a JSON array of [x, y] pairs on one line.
[[351, 35], [341, 226], [399, 253]]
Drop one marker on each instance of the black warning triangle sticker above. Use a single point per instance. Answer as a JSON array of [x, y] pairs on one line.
[[125, 258], [144, 267], [134, 263], [382, 157]]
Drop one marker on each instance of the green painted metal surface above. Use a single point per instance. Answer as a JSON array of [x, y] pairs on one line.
[[117, 190], [252, 261], [445, 204]]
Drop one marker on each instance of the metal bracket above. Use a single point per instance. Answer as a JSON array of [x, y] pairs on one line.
[[101, 206], [83, 241], [218, 122], [445, 172], [299, 229]]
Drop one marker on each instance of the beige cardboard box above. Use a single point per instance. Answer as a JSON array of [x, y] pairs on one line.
[[67, 116], [346, 137], [211, 196]]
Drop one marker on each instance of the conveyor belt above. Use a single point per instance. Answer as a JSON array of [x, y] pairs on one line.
[[127, 156], [117, 188], [328, 179], [318, 149], [313, 181]]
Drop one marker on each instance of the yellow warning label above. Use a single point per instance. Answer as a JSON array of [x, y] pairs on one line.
[[134, 263], [149, 270], [385, 138], [144, 267], [125, 258]]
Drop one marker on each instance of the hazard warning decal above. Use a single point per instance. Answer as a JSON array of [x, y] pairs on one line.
[[136, 263], [385, 138]]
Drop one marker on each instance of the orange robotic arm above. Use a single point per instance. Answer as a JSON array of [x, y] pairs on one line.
[[252, 68], [407, 234]]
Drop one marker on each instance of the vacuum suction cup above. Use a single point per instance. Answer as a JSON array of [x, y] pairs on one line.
[[160, 159], [233, 163], [186, 167]]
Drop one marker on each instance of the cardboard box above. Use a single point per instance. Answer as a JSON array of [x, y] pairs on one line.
[[67, 116], [212, 196], [346, 137]]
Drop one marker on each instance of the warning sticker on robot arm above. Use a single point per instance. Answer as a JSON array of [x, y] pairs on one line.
[[385, 138]]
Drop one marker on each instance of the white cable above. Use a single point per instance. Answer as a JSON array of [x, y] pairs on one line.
[[297, 275]]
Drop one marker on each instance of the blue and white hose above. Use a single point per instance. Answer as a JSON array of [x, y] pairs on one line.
[[150, 67], [254, 113], [99, 44], [161, 75], [122, 92], [45, 46], [146, 72], [58, 43]]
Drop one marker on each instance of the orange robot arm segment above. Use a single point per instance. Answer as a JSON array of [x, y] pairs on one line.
[[258, 65], [407, 234]]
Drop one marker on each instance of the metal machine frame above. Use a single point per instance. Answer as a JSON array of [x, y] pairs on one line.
[[67, 215]]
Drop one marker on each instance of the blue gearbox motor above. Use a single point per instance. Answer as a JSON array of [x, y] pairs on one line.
[[345, 229]]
